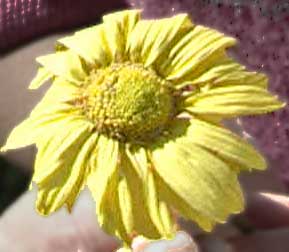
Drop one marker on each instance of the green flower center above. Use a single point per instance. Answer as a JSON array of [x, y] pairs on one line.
[[128, 102]]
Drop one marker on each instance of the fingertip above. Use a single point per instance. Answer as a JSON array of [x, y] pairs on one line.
[[182, 242]]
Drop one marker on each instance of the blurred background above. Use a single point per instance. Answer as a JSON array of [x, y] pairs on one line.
[[29, 28]]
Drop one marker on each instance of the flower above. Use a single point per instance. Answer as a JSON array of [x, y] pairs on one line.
[[136, 112]]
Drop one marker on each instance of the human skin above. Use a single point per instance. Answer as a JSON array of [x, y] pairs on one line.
[[22, 229], [60, 232]]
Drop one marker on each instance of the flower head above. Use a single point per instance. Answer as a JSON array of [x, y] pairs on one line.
[[135, 112]]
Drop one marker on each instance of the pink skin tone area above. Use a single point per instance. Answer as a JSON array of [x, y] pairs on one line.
[[182, 242], [22, 229]]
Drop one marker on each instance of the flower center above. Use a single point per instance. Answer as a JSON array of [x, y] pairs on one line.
[[128, 102]]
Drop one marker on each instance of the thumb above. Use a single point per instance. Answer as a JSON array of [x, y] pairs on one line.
[[182, 242]]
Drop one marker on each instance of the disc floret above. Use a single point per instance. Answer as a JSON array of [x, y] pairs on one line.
[[127, 101]]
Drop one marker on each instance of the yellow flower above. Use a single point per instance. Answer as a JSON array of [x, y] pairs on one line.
[[135, 112]]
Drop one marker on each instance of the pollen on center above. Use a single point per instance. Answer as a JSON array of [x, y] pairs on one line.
[[127, 101]]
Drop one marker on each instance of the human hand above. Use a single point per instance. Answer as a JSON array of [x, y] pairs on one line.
[[22, 229], [182, 242]]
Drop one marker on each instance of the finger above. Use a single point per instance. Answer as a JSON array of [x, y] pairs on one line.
[[22, 229], [182, 242], [139, 243]]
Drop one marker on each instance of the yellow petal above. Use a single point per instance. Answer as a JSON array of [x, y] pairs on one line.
[[150, 39], [45, 117], [19, 137], [136, 38], [53, 145], [202, 180], [228, 146], [115, 41], [231, 101], [158, 209], [61, 176], [65, 64], [159, 42], [126, 205], [169, 223], [111, 216], [90, 44], [56, 98], [106, 165], [117, 27], [144, 222], [33, 129], [226, 71], [126, 19], [195, 52], [41, 77], [138, 159], [126, 249], [104, 184], [184, 208]]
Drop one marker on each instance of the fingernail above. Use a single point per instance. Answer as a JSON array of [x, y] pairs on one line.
[[139, 243], [182, 242]]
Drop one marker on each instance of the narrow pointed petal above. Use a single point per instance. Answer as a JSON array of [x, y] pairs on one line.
[[56, 98], [184, 208], [227, 71], [41, 77], [126, 205], [115, 40], [32, 130], [123, 209], [64, 64], [134, 214], [104, 183], [19, 137], [144, 222], [232, 101], [90, 44], [195, 52], [159, 42], [158, 208], [228, 146], [111, 215], [45, 117], [136, 38], [152, 39], [61, 176], [138, 159], [106, 165], [117, 27], [203, 181], [50, 148], [126, 19], [125, 249]]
